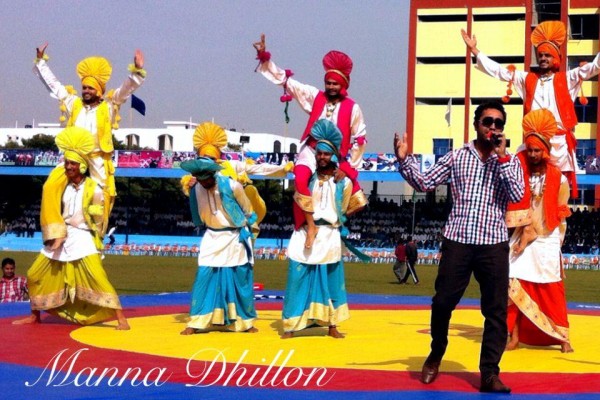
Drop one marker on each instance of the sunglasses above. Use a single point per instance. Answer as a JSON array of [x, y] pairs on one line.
[[488, 121]]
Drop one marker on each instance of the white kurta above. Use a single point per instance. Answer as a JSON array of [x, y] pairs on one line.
[[544, 97], [221, 248], [305, 96], [327, 247], [79, 242], [540, 262]]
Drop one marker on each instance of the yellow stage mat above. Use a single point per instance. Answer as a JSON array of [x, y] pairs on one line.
[[391, 340]]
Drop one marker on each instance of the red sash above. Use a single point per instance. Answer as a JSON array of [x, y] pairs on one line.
[[343, 120]]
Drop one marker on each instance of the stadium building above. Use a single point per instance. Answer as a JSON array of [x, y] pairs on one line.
[[444, 89], [175, 136]]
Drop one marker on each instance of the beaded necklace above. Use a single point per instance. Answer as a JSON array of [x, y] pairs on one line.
[[537, 185]]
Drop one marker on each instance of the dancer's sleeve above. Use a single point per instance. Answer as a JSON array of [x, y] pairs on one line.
[[358, 137], [304, 94], [57, 90]]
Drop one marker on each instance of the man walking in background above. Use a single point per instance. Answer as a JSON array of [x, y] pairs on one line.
[[411, 261], [400, 264]]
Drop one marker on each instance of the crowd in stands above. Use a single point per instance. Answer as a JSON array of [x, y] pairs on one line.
[[24, 225], [143, 221], [379, 226], [583, 232]]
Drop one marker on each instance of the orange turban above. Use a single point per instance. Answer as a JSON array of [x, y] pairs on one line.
[[539, 126], [338, 67], [548, 37]]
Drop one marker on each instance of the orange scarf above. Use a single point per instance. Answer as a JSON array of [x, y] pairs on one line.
[[553, 213]]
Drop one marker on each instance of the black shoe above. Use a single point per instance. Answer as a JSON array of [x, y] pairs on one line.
[[493, 384], [430, 371]]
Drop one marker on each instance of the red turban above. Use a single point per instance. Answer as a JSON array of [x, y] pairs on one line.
[[338, 67]]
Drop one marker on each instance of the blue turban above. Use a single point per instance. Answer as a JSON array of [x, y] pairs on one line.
[[201, 168], [327, 135]]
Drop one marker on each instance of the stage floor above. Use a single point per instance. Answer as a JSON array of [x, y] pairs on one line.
[[387, 340]]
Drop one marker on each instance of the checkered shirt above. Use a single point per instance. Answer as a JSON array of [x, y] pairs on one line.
[[14, 289], [481, 191]]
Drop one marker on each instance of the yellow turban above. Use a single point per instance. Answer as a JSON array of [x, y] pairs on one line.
[[209, 138], [94, 72], [77, 143], [208, 150]]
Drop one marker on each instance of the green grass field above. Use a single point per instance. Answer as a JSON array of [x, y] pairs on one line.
[[140, 274]]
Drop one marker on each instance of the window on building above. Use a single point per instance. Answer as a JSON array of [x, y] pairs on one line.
[[476, 101], [443, 18], [293, 148], [584, 26], [499, 17], [133, 140], [165, 142], [585, 148], [441, 147], [547, 10], [589, 112], [277, 146], [461, 60]]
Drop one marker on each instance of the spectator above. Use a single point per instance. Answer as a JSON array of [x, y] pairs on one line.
[[12, 287], [411, 262], [400, 264]]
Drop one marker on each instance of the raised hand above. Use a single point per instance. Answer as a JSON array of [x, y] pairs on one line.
[[471, 42], [260, 46], [41, 50], [400, 146], [138, 59]]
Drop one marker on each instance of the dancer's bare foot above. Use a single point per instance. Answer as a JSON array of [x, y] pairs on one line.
[[566, 348], [287, 335], [123, 325], [311, 235], [251, 330], [188, 331], [334, 333], [34, 318]]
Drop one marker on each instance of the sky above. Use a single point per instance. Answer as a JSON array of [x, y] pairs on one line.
[[200, 60]]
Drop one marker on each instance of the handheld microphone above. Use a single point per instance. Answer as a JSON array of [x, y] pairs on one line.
[[497, 139]]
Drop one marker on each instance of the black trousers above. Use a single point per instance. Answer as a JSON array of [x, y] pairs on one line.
[[410, 270], [489, 265]]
